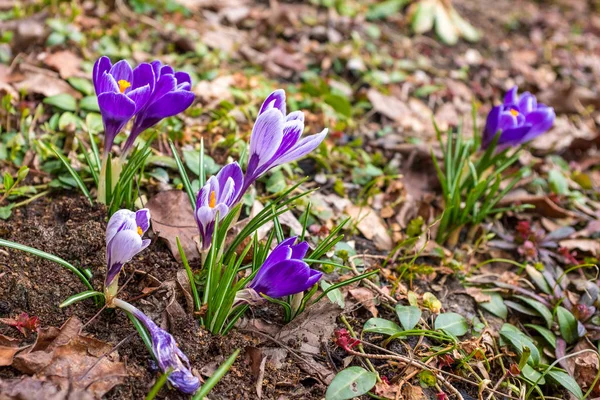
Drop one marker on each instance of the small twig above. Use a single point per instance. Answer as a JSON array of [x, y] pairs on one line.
[[422, 365], [121, 343], [368, 282]]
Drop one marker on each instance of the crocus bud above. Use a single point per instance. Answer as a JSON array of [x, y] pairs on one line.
[[123, 241]]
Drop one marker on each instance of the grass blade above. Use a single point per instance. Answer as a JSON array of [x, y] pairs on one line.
[[216, 377], [74, 174]]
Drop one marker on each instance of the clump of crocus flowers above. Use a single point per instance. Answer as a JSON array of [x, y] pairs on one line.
[[275, 140], [518, 120], [147, 93]]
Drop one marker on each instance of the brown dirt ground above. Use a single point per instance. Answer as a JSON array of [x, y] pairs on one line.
[[69, 228]]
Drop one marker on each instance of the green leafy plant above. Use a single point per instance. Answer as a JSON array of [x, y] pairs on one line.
[[473, 182]]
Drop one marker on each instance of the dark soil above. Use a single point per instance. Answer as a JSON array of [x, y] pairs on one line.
[[73, 230]]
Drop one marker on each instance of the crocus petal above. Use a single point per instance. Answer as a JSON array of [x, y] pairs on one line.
[[123, 246], [143, 75], [168, 105], [122, 71], [508, 120], [492, 125], [527, 103], [234, 173], [541, 121], [106, 83], [275, 100], [164, 85], [314, 277], [299, 250], [295, 116], [101, 66], [142, 219], [283, 279], [121, 220], [140, 96], [513, 136], [204, 216], [116, 109], [303, 147], [511, 97], [292, 130], [167, 70], [184, 81], [279, 253], [267, 134]]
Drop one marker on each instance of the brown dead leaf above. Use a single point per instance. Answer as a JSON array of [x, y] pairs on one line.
[[172, 217], [584, 367], [291, 61], [7, 354], [389, 106], [543, 205], [413, 392], [564, 133], [65, 62], [31, 388], [45, 84], [586, 245], [366, 298], [478, 295], [387, 391], [73, 361], [310, 330], [371, 226]]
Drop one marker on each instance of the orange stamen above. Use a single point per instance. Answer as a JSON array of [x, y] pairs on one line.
[[140, 231], [514, 112], [123, 85], [212, 202]]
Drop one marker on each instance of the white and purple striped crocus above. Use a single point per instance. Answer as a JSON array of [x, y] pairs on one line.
[[519, 120], [276, 138], [167, 353], [283, 273], [217, 197], [123, 241]]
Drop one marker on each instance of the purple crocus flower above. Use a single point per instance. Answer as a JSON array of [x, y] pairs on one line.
[[166, 352], [276, 138], [122, 92], [519, 119], [171, 94], [123, 241], [283, 273], [217, 196]]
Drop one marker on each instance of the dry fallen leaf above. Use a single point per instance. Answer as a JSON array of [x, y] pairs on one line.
[[45, 84], [478, 295], [172, 217], [65, 62], [543, 205], [31, 388], [72, 361], [309, 331], [371, 226], [587, 245], [366, 298], [584, 366]]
